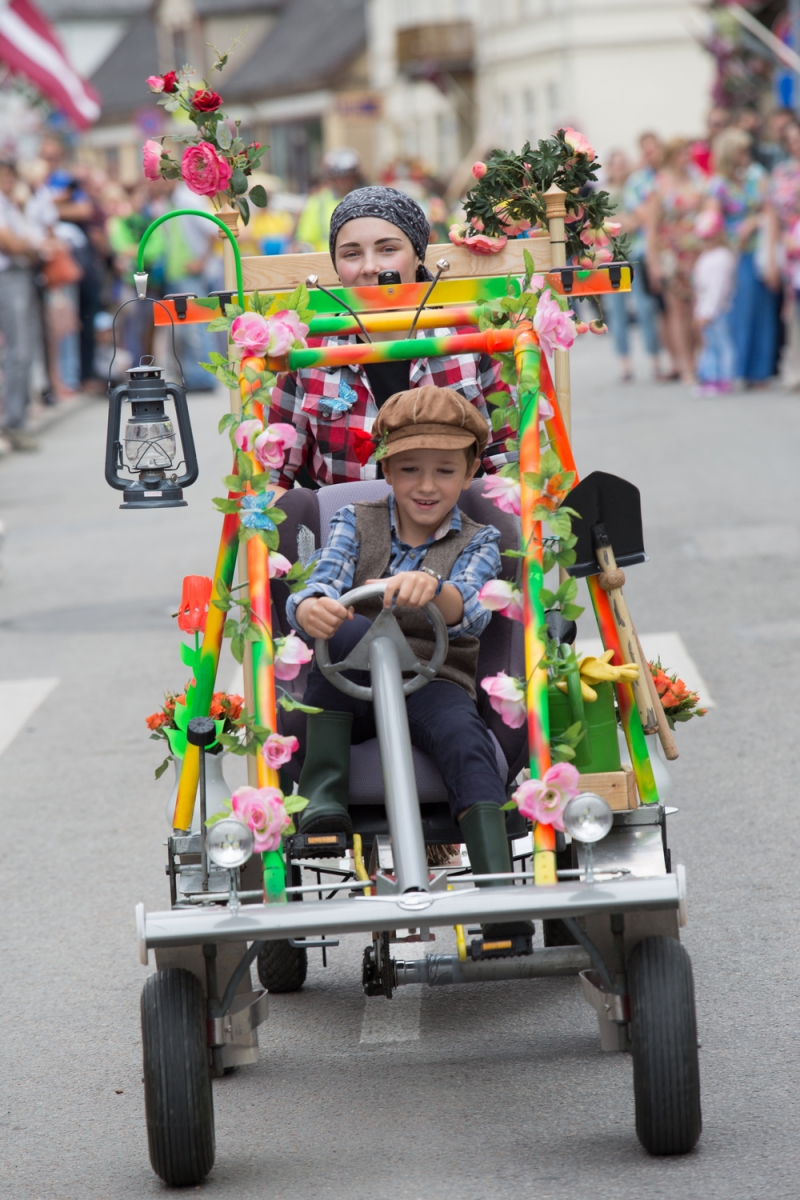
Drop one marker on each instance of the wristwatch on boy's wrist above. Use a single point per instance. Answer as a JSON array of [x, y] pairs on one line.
[[436, 576]]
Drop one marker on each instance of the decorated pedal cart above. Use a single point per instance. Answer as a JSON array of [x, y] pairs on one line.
[[589, 831]]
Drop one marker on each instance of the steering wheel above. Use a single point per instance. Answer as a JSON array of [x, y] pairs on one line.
[[384, 625]]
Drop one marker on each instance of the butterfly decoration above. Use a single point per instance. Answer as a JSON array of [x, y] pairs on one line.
[[253, 511], [337, 406]]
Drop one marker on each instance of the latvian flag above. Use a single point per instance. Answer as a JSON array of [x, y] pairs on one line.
[[30, 46]]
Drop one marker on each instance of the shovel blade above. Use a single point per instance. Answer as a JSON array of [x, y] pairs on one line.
[[613, 502]]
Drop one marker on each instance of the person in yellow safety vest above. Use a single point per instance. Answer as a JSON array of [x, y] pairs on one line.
[[341, 173]]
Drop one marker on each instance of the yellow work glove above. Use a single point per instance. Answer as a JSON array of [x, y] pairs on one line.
[[600, 670]]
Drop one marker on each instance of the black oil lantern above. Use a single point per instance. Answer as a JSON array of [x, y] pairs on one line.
[[147, 448]]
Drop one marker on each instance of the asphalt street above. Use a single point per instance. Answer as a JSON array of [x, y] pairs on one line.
[[472, 1092]]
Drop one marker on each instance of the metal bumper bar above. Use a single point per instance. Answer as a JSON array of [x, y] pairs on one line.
[[440, 969], [367, 914]]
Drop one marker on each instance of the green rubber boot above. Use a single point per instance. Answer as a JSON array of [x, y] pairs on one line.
[[325, 777], [484, 829]]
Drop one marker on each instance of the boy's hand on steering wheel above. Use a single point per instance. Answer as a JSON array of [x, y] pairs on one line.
[[409, 589], [320, 616]]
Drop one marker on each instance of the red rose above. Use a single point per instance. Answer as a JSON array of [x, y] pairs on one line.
[[205, 100], [363, 446], [170, 81]]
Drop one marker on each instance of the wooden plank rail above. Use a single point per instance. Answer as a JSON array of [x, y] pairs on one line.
[[283, 272]]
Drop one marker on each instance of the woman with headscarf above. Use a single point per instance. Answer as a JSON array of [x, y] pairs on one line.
[[373, 229]]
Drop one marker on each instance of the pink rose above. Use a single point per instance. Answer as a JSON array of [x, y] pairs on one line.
[[588, 236], [513, 226], [262, 810], [251, 331], [278, 564], [603, 255], [290, 655], [151, 159], [581, 327], [246, 434], [544, 800], [285, 328], [457, 233], [612, 228], [204, 171], [271, 445], [577, 142], [507, 697], [553, 326], [598, 326], [278, 750], [479, 169], [481, 243], [503, 492], [268, 335], [572, 217], [499, 595], [155, 83]]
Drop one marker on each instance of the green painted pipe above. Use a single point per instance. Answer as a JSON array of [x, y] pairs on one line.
[[195, 212]]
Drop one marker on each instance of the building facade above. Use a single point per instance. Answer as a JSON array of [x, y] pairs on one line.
[[459, 77]]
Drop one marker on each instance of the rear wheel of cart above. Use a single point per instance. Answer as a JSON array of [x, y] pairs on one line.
[[179, 1106], [282, 967], [666, 1071]]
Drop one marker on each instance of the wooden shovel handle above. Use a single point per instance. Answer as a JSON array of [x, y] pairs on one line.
[[664, 731], [629, 642]]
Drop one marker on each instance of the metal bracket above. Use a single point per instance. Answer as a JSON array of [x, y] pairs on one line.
[[612, 1009], [248, 1011]]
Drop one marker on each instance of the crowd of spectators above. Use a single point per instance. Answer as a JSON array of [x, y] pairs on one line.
[[714, 225], [69, 238]]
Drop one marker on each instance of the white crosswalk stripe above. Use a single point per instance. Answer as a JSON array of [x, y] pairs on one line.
[[19, 699]]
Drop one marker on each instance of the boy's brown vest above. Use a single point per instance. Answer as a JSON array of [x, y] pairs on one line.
[[375, 542]]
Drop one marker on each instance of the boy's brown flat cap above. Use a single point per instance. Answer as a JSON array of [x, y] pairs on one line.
[[430, 418]]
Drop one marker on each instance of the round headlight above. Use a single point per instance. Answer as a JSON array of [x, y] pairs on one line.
[[588, 817], [229, 843]]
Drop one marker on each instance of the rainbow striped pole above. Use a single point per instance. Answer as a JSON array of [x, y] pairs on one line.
[[631, 722], [206, 673], [262, 651], [527, 356]]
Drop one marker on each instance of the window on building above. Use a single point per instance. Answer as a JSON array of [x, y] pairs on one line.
[[553, 105], [447, 139], [180, 48], [505, 120], [529, 115], [295, 152]]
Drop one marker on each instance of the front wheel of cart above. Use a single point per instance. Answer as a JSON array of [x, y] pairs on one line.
[[282, 967], [666, 1071], [179, 1106]]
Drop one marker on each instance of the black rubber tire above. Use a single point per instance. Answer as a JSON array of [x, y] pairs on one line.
[[179, 1105], [556, 933], [281, 967], [666, 1070]]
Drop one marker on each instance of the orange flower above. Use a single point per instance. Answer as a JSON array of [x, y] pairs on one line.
[[194, 604], [156, 720], [235, 706]]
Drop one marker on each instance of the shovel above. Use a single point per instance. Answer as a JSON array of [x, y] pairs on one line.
[[609, 535]]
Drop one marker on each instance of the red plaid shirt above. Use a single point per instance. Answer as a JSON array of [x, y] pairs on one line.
[[327, 405]]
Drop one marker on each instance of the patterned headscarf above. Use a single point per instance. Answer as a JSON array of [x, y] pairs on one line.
[[388, 204]]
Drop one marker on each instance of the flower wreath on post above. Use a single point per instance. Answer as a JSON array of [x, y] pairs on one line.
[[216, 162], [508, 201]]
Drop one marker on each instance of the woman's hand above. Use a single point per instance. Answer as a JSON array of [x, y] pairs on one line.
[[320, 616], [410, 589]]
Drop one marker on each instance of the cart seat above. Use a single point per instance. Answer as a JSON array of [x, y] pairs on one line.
[[306, 528]]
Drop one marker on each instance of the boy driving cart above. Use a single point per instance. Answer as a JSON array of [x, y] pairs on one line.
[[430, 441]]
